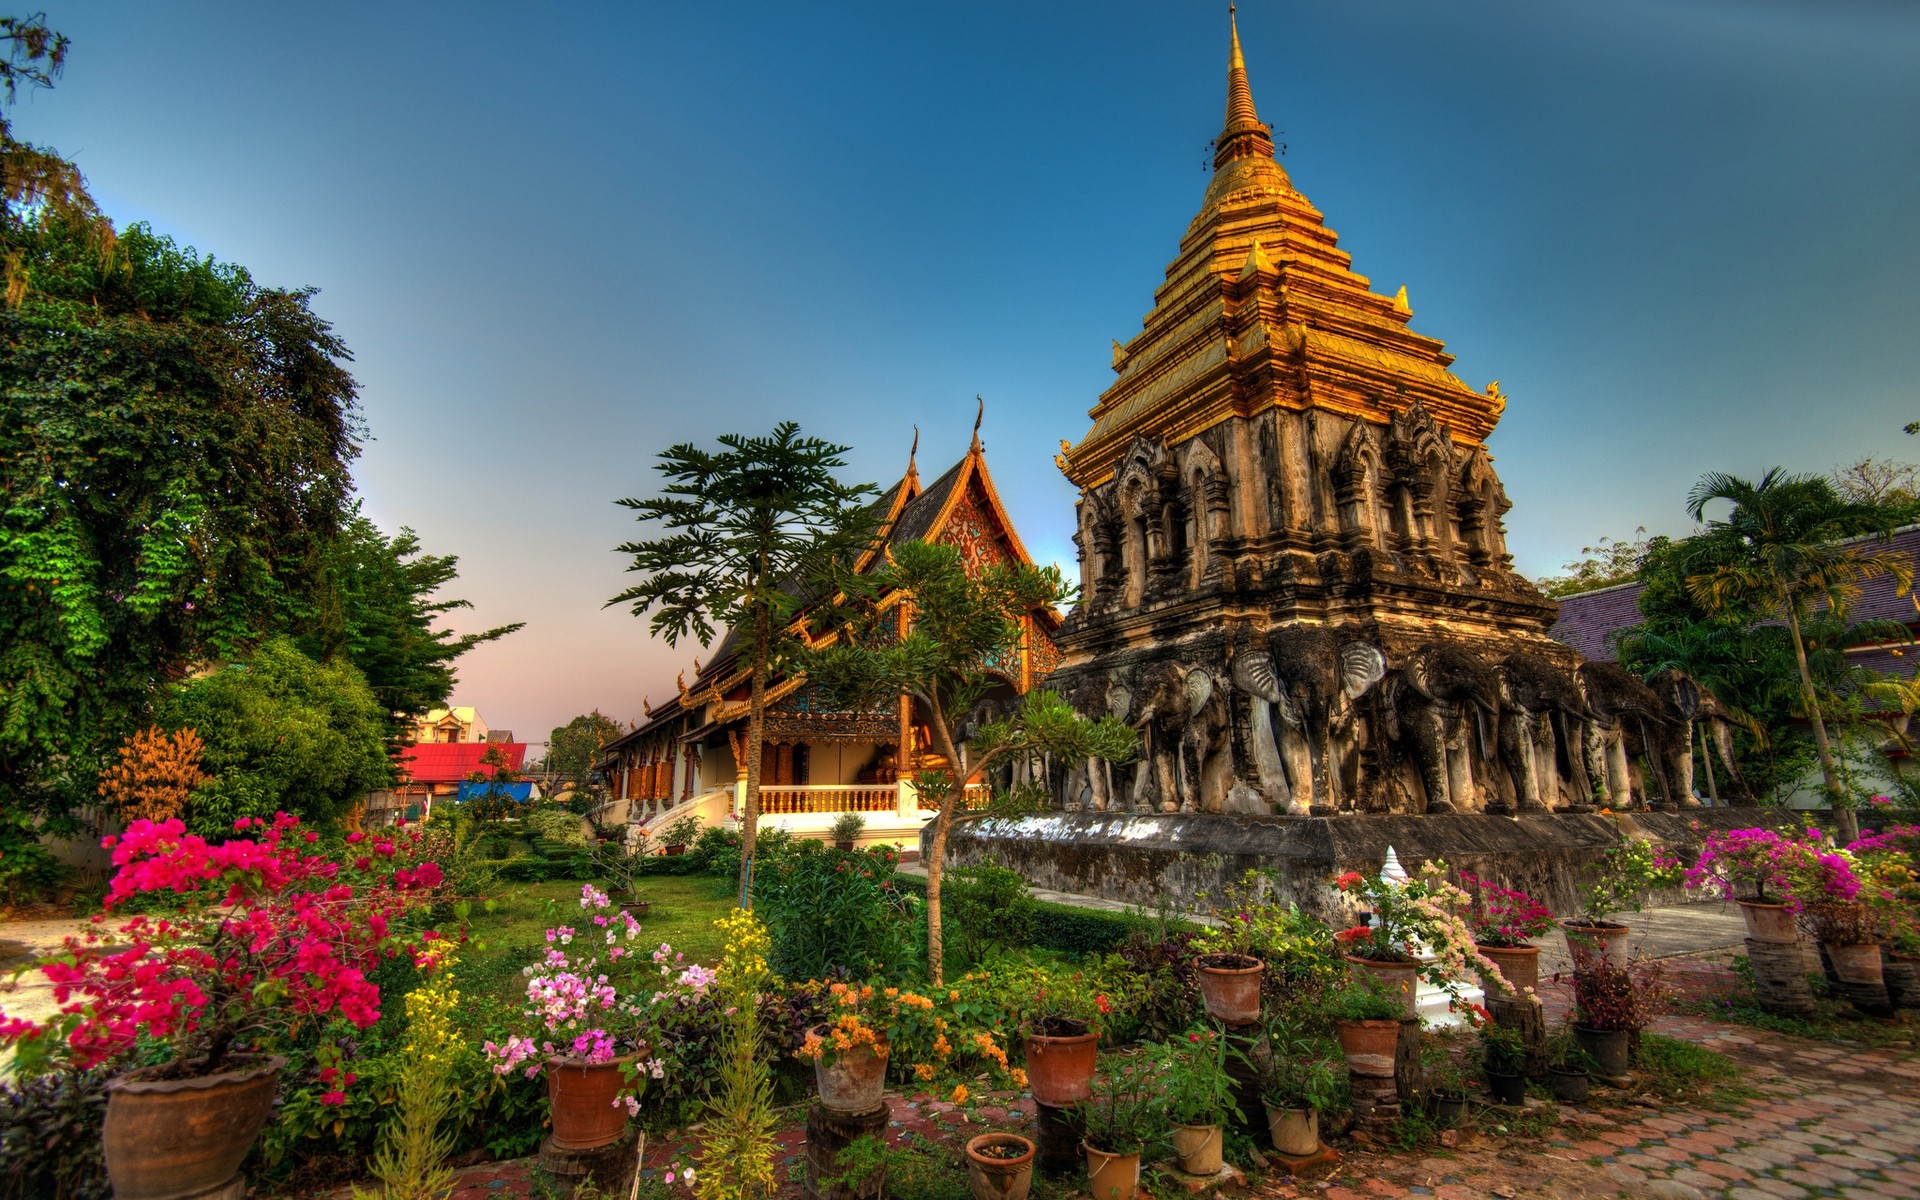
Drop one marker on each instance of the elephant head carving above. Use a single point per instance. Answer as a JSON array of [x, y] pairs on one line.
[[1308, 675], [1441, 672]]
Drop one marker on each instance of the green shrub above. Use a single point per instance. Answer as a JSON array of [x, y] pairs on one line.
[[986, 908], [50, 1137], [831, 910], [556, 825], [717, 852]]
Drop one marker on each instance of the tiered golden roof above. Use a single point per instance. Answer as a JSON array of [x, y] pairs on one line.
[[1262, 309]]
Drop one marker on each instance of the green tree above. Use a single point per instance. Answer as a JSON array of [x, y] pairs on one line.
[[1791, 545], [1609, 563], [376, 606], [282, 733], [751, 532], [573, 747], [961, 623]]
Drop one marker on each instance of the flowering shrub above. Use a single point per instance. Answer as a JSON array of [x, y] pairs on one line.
[[1765, 867], [1887, 864], [568, 995], [1416, 921], [1623, 876], [1503, 916], [1613, 997], [264, 937], [928, 1039]]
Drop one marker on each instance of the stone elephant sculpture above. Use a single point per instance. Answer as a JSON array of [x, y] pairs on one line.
[[1670, 749], [1310, 678], [1181, 715], [1616, 703], [1093, 695], [1541, 718], [1716, 724], [1446, 708]]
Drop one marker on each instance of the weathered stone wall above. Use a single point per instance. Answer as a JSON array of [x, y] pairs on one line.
[[1155, 859]]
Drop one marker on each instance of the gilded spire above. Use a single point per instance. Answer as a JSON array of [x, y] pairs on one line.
[[1243, 133]]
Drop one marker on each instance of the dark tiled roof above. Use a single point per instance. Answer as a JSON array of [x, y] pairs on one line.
[[1887, 660], [1879, 600], [917, 518], [1586, 618]]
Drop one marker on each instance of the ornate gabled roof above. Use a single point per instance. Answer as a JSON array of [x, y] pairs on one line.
[[1262, 309]]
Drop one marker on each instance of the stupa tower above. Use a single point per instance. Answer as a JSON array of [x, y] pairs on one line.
[[1286, 486]]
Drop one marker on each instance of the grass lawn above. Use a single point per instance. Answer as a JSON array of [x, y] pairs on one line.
[[514, 934]]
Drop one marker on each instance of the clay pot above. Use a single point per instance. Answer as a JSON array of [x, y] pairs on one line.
[[1111, 1176], [1519, 965], [1199, 1149], [167, 1138], [994, 1177], [1507, 1089], [1569, 1087], [1396, 976], [681, 848], [1449, 1111], [1294, 1131], [1060, 1060], [637, 909], [1603, 942], [1369, 1046], [1608, 1048], [1902, 977], [1856, 964], [581, 1095], [1230, 987], [1769, 923], [851, 1081], [846, 847]]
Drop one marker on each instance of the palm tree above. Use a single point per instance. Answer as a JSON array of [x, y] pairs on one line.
[[1791, 546]]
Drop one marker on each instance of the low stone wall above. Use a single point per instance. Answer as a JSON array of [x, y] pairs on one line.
[[1155, 859]]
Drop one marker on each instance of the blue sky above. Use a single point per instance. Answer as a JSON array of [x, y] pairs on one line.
[[1679, 232]]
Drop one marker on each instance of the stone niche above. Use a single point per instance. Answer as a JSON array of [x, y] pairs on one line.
[[1167, 859]]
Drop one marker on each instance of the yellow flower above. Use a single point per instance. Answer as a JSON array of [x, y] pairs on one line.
[[959, 1093]]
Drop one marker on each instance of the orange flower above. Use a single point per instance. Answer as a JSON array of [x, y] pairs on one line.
[[959, 1093]]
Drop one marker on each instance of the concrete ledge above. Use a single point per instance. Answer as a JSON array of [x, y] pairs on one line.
[[1149, 859]]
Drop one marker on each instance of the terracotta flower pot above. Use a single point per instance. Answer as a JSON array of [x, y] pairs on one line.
[[1199, 1149], [1294, 1131], [1602, 942], [1060, 1060], [1856, 964], [1519, 965], [1230, 987], [681, 848], [1369, 1046], [637, 909], [1397, 977], [1769, 923], [581, 1094], [1902, 977], [168, 1138], [1000, 1166], [1111, 1176], [1608, 1048], [852, 1081]]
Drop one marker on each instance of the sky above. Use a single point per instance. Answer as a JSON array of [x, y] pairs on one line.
[[558, 239]]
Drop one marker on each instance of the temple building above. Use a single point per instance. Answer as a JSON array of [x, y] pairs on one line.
[[818, 762], [1294, 575]]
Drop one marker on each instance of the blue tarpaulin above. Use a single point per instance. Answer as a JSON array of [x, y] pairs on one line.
[[521, 792]]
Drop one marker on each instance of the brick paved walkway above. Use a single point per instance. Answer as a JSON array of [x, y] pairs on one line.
[[1827, 1121]]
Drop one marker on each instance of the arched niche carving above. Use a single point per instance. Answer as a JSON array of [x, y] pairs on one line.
[[1138, 497], [1356, 485], [1417, 454], [1207, 508]]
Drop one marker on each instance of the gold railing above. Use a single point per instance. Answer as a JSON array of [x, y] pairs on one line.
[[830, 798], [978, 796]]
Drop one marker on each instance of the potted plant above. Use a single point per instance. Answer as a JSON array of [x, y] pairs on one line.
[[849, 1050], [1444, 1080], [1762, 871], [1062, 1035], [1227, 971], [1503, 1063], [260, 938], [1422, 911], [1503, 922], [1000, 1166], [1299, 1082], [1366, 1017], [1121, 1117], [1621, 881], [1611, 1005], [678, 835], [619, 862], [1198, 1094], [1849, 937], [588, 1034], [1569, 1068], [847, 828]]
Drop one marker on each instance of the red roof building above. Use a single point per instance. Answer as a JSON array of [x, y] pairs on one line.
[[453, 762]]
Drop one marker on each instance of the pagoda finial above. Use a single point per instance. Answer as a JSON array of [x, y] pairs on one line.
[[913, 472], [977, 418], [1243, 133]]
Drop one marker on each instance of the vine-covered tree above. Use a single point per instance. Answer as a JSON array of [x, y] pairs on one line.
[[960, 624], [749, 534]]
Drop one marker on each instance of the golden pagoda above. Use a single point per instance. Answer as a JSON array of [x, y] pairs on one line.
[[1288, 517]]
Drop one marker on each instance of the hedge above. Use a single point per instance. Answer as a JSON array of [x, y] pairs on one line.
[[1068, 928]]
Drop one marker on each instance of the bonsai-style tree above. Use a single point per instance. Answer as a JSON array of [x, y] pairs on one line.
[[960, 625], [751, 532], [1783, 552]]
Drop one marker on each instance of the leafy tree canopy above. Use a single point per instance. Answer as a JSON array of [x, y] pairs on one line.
[[282, 733], [572, 748]]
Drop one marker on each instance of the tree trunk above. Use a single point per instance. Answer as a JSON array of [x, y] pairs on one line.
[[1829, 768], [959, 777], [756, 731], [1706, 758]]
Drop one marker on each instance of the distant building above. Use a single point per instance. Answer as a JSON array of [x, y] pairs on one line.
[[433, 772], [453, 725]]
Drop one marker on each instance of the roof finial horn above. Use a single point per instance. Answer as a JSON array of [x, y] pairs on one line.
[[977, 418]]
